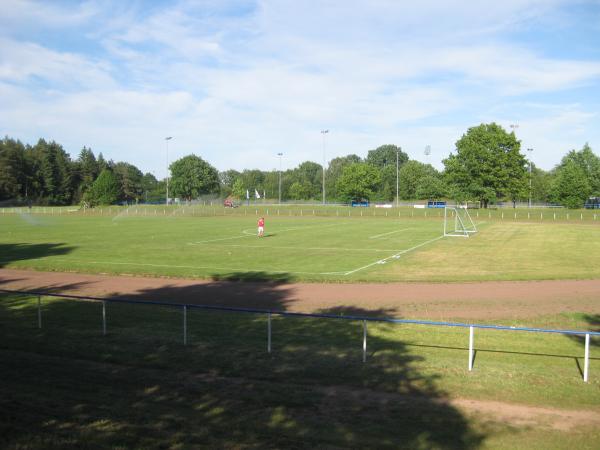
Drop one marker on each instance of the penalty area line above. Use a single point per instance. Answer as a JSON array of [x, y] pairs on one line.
[[391, 232], [396, 255]]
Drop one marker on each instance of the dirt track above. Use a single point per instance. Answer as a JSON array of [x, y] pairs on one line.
[[497, 300]]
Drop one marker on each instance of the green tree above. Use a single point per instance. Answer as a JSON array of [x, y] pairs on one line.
[[13, 169], [310, 176], [410, 175], [227, 180], [541, 184], [153, 191], [589, 163], [238, 190], [334, 171], [191, 177], [300, 190], [101, 163], [105, 190], [253, 179], [358, 181], [487, 165], [385, 155], [430, 188], [130, 180], [571, 186], [54, 171]]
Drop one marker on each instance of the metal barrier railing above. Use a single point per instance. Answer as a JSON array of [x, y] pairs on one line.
[[270, 313]]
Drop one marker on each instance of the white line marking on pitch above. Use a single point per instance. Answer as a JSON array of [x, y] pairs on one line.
[[391, 232], [250, 232], [311, 248], [222, 239], [173, 266], [384, 260]]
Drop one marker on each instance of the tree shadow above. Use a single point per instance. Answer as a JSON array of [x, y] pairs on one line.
[[139, 386], [593, 320], [256, 276], [22, 250]]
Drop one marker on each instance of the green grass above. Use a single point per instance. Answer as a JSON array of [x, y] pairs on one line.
[[67, 386], [327, 246]]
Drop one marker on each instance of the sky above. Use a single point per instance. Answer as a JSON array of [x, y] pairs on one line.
[[237, 82]]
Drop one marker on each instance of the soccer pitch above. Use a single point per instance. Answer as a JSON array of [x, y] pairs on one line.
[[310, 248]]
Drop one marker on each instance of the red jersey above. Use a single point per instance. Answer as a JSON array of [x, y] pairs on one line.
[[261, 222]]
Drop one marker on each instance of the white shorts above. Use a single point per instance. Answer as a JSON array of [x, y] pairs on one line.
[[261, 229]]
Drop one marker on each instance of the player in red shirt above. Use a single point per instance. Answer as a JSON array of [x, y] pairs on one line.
[[261, 227]]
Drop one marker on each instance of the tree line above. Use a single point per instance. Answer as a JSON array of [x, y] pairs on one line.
[[487, 166]]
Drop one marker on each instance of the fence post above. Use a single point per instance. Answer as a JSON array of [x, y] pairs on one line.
[[586, 364], [184, 325], [39, 311], [104, 318], [364, 340], [470, 348], [269, 333]]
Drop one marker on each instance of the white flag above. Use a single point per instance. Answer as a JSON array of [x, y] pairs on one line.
[[256, 194], [247, 194]]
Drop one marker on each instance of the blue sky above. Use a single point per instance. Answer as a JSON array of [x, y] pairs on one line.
[[236, 82]]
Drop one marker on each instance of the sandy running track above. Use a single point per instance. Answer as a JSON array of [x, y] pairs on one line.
[[482, 300]]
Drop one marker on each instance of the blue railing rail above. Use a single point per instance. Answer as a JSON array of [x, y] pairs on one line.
[[300, 314], [269, 313]]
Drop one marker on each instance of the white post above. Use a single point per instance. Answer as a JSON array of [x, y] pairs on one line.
[[586, 364], [470, 348], [364, 340], [269, 334], [39, 311], [104, 318], [184, 325]]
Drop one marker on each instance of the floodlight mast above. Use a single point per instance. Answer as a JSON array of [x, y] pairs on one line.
[[530, 150], [397, 157], [280, 155], [167, 139], [324, 132]]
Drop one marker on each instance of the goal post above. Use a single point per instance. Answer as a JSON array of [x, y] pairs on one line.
[[458, 222]]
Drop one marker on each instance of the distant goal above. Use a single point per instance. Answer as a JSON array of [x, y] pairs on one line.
[[458, 222]]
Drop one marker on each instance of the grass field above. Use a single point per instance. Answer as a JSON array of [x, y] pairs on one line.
[[300, 247], [67, 386]]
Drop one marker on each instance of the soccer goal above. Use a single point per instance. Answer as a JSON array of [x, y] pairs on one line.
[[458, 222]]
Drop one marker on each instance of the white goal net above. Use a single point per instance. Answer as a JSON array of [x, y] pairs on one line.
[[458, 222]]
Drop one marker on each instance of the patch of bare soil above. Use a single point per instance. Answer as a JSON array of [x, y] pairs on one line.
[[436, 301]]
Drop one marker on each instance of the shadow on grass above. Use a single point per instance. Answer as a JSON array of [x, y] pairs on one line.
[[260, 276], [68, 385], [593, 320], [22, 251]]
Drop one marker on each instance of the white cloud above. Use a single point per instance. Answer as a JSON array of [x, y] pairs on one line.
[[238, 84], [22, 61]]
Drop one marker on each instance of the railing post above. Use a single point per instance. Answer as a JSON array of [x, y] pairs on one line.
[[586, 364], [269, 333], [470, 348], [104, 318], [39, 311], [364, 341], [184, 325]]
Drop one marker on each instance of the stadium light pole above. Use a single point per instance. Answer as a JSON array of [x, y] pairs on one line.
[[529, 150], [280, 155], [167, 139], [397, 157], [324, 132]]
